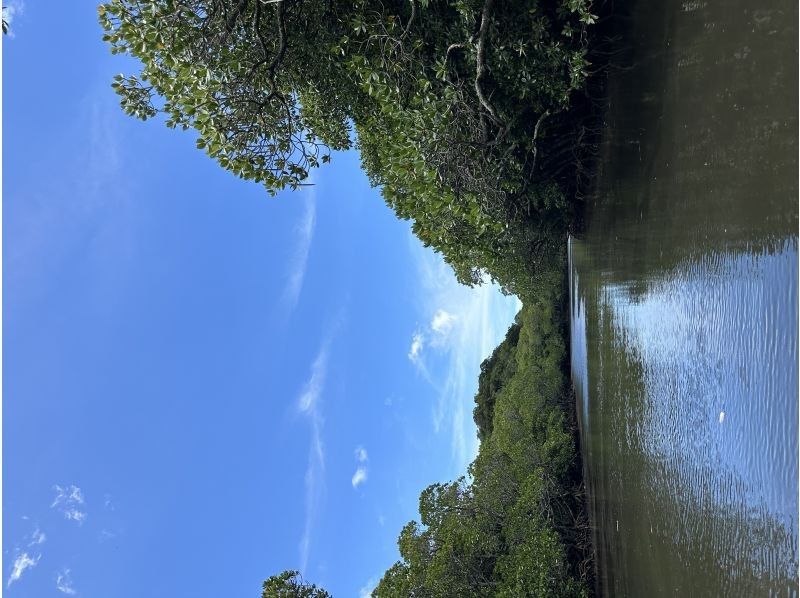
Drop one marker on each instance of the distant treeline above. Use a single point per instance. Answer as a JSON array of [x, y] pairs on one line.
[[515, 526], [471, 117]]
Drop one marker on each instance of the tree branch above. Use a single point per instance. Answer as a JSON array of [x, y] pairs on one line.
[[410, 19], [281, 38], [480, 61]]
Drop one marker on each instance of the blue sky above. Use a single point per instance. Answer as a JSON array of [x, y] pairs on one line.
[[204, 385]]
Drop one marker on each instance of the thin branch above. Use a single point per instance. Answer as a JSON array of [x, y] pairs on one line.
[[480, 60], [539, 122], [410, 19], [452, 47]]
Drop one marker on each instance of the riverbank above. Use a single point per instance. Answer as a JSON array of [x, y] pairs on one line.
[[526, 386]]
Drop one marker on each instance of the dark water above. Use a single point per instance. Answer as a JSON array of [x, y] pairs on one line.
[[684, 306]]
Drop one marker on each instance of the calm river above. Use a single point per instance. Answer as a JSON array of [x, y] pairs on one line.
[[684, 306]]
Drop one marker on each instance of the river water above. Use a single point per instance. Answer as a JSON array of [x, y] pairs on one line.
[[683, 290]]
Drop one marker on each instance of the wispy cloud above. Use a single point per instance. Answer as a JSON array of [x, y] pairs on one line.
[[37, 537], [69, 502], [463, 325], [102, 156], [23, 562], [95, 215], [67, 495], [304, 232], [309, 405], [312, 391], [417, 344], [442, 324], [64, 582], [75, 515], [359, 477], [368, 588]]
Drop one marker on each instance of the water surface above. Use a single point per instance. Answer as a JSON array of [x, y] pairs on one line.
[[684, 307]]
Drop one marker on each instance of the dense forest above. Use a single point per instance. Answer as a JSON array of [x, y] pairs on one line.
[[472, 118], [515, 525]]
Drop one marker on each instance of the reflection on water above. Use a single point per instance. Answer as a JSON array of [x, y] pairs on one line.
[[684, 307], [688, 397]]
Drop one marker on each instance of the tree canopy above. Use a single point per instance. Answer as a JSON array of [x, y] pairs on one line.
[[460, 108], [290, 584]]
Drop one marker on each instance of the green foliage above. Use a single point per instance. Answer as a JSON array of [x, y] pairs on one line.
[[496, 371], [456, 105], [507, 531], [290, 584], [464, 168], [260, 109]]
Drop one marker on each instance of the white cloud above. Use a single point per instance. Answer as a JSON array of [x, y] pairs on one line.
[[67, 495], [417, 343], [69, 501], [381, 519], [359, 477], [442, 323], [75, 515], [21, 563], [465, 325], [309, 405], [64, 582], [366, 591], [313, 388], [37, 537], [299, 259]]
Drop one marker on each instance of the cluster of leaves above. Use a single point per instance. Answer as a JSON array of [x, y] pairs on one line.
[[511, 528], [455, 103], [290, 584], [462, 93], [223, 70]]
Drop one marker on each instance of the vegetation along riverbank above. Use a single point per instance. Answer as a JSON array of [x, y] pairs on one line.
[[474, 120]]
